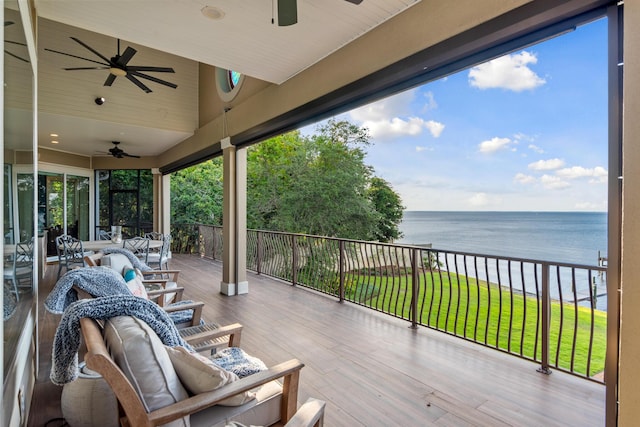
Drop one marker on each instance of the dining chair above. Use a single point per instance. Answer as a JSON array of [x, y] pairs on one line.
[[154, 235], [70, 252], [104, 235], [139, 246], [19, 266], [159, 258]]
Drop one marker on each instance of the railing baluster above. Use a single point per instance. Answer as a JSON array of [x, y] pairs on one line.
[[415, 285], [488, 315], [546, 308], [341, 270], [499, 303], [575, 317], [561, 316], [259, 253], [294, 259]]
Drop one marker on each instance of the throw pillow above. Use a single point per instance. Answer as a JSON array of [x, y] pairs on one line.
[[199, 375], [140, 354], [134, 283]]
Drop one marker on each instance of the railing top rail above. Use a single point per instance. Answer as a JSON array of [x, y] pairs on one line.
[[431, 249]]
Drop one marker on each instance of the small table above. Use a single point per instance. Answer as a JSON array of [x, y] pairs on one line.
[[98, 245]]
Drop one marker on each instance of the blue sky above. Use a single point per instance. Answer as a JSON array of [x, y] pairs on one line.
[[524, 132]]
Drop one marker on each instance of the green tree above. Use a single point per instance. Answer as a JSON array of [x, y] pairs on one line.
[[388, 204], [196, 194]]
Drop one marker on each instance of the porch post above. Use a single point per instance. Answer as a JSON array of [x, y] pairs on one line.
[[234, 220], [165, 206], [162, 201]]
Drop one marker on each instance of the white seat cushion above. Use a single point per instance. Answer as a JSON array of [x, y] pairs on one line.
[[117, 262], [263, 410]]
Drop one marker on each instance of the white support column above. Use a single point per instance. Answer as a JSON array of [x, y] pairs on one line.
[[234, 223], [165, 216]]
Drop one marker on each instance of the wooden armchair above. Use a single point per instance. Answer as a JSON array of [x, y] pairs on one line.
[[203, 406], [164, 286], [196, 331]]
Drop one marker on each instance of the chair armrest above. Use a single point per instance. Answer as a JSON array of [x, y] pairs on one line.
[[289, 371], [172, 273], [311, 414], [234, 331], [157, 293], [195, 306]]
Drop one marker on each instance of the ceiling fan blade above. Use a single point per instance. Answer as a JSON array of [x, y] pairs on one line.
[[130, 155], [287, 12], [18, 43], [95, 52], [154, 69], [138, 83], [355, 1], [15, 56], [85, 68], [153, 79], [7, 23], [109, 80], [126, 56], [75, 56]]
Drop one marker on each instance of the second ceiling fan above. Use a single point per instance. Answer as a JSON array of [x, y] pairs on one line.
[[118, 66]]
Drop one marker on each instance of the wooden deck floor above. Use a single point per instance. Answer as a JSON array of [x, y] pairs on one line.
[[371, 369]]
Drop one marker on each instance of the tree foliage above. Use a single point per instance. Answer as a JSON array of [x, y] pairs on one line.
[[196, 194], [316, 184], [320, 185]]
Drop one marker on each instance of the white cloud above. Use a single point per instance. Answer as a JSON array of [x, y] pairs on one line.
[[420, 149], [510, 72], [524, 179], [386, 109], [479, 200], [384, 129], [431, 103], [494, 144], [553, 182], [536, 148], [523, 137], [599, 174], [546, 165], [435, 128], [392, 117]]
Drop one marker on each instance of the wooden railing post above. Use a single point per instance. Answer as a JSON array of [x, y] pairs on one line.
[[545, 320], [415, 285], [259, 252], [294, 259], [341, 267]]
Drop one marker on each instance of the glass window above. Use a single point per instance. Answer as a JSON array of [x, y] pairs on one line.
[[234, 78], [125, 198]]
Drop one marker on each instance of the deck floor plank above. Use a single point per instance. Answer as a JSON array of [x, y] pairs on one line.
[[371, 369]]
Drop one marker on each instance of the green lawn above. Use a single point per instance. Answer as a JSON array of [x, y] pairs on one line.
[[485, 313]]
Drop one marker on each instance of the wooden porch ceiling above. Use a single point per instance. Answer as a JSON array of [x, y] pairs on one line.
[[373, 370]]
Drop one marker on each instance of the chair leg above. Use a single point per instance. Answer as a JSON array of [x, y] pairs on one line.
[[59, 269], [15, 288]]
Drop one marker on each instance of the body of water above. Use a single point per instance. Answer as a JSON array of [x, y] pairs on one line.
[[566, 237]]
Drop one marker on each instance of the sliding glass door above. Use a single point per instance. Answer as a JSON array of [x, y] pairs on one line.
[[63, 206]]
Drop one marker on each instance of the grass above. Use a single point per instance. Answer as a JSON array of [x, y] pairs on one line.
[[487, 314]]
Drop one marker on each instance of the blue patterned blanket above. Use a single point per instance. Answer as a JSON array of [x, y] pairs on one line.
[[67, 338], [96, 281]]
